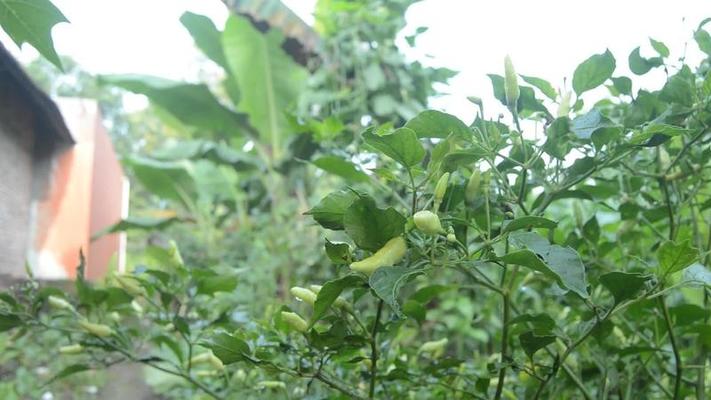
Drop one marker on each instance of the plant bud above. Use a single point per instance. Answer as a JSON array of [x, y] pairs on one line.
[[130, 285], [452, 238], [272, 385], [71, 349], [295, 321], [564, 106], [303, 294], [59, 303], [510, 84], [434, 348], [428, 222], [440, 189], [473, 184], [99, 330]]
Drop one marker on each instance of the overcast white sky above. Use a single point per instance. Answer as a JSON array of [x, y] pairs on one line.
[[545, 38]]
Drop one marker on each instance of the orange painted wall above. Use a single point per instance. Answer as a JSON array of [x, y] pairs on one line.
[[84, 196]]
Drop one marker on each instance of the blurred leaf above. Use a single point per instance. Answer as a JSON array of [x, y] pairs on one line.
[[593, 72], [697, 274], [209, 282], [330, 210], [654, 129], [371, 227], [686, 314], [343, 168], [640, 65], [338, 253], [437, 124], [67, 371], [531, 342], [659, 47], [269, 80], [138, 223], [674, 257], [330, 291], [228, 348], [9, 321], [192, 104], [206, 36], [623, 84], [541, 323], [529, 221], [387, 282], [401, 145], [543, 85], [31, 21], [623, 285]]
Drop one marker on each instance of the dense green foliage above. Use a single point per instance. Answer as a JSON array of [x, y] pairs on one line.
[[563, 255]]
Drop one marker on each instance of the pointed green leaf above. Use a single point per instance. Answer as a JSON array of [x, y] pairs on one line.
[[343, 168], [228, 348], [206, 36], [371, 227], [387, 282], [31, 21], [330, 291], [330, 210], [401, 145], [623, 285], [531, 342], [437, 124], [674, 257], [659, 47], [529, 221], [543, 85], [593, 72], [640, 65]]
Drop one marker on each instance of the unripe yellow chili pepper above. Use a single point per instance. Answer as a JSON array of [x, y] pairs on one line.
[[130, 285], [304, 294], [71, 349], [428, 222], [59, 303], [434, 348], [272, 385], [99, 330], [473, 184], [295, 321], [390, 254], [440, 189]]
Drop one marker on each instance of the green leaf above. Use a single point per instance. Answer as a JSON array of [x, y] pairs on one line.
[[623, 84], [591, 230], [228, 348], [371, 227], [531, 343], [703, 40], [437, 124], [9, 321], [192, 104], [623, 285], [465, 158], [330, 210], [209, 282], [269, 80], [529, 221], [343, 168], [427, 293], [31, 21], [686, 314], [543, 85], [415, 310], [640, 65], [655, 129], [593, 72], [659, 47], [673, 257], [67, 371], [562, 264], [338, 253], [541, 323], [330, 291], [138, 223], [386, 282], [585, 126], [401, 145], [206, 36]]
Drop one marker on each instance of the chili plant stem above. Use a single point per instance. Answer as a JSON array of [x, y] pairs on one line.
[[374, 350], [675, 349], [504, 345]]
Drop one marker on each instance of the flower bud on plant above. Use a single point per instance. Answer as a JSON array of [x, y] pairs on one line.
[[130, 285], [510, 84], [473, 184], [390, 254], [428, 222], [452, 238], [303, 294], [272, 385], [99, 330], [434, 348], [295, 321], [59, 303], [440, 189], [202, 358], [71, 349], [564, 106], [114, 316]]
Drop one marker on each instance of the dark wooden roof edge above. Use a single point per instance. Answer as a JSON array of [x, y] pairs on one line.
[[48, 115]]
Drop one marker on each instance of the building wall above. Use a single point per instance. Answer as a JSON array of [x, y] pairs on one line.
[[16, 141]]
